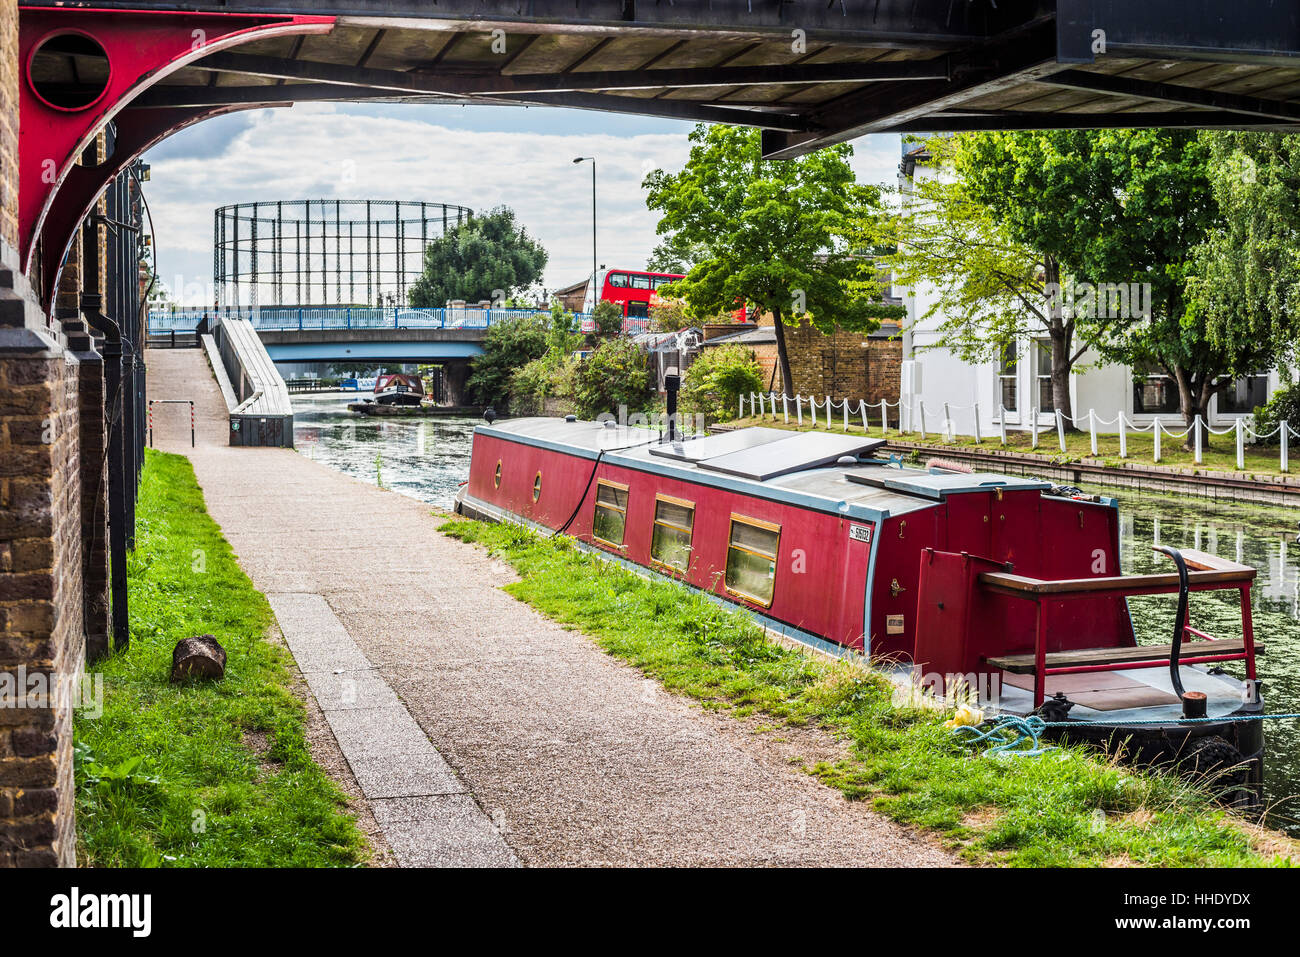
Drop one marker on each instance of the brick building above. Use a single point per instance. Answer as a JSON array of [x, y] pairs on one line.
[[842, 365]]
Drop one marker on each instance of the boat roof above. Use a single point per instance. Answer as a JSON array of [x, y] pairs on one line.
[[800, 468]]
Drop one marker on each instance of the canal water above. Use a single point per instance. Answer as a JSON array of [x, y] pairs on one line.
[[428, 458]]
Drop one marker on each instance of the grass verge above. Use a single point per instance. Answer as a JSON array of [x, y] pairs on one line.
[[1068, 807], [208, 773]]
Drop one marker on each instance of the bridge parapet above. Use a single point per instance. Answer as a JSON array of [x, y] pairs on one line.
[[290, 318], [256, 396]]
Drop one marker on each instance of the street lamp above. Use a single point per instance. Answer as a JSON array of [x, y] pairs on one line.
[[595, 293]]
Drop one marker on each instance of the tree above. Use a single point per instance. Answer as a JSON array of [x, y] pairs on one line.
[[1033, 218], [507, 346], [716, 380], [1244, 282], [613, 378], [772, 234], [676, 255], [608, 319], [487, 257]]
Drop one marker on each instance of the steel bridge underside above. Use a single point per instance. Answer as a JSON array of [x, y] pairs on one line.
[[809, 74]]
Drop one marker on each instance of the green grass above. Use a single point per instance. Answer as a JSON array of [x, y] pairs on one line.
[[207, 773], [1220, 455], [1020, 811]]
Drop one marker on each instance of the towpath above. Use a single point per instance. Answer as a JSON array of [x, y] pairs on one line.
[[478, 731]]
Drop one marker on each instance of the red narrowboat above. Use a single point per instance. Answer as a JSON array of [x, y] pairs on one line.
[[399, 389], [1001, 583]]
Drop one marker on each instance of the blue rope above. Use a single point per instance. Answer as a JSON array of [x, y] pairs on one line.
[[1009, 731]]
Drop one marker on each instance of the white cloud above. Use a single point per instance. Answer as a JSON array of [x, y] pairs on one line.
[[325, 151]]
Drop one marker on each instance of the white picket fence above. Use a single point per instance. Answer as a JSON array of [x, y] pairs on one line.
[[771, 405]]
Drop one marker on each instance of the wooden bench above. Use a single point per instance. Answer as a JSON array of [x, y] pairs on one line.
[[1191, 652]]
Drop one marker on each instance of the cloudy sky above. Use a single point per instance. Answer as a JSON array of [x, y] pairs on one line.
[[480, 157]]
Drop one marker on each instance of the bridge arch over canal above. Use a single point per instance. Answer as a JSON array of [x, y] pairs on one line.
[[88, 87]]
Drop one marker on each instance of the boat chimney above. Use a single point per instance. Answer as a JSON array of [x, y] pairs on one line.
[[1194, 704], [672, 382]]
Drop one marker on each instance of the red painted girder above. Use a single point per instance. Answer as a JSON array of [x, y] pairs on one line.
[[142, 48]]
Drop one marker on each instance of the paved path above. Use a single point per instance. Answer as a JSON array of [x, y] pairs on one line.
[[417, 657]]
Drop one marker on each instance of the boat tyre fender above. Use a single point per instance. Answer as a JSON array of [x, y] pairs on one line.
[[1215, 761]]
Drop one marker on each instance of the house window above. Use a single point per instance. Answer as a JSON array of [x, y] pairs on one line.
[[1243, 395], [1043, 362], [670, 545], [1154, 392], [609, 521], [751, 559], [1008, 363]]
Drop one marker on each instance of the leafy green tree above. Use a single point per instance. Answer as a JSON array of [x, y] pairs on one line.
[[562, 336], [675, 254], [717, 378], [1031, 216], [489, 256], [508, 346], [773, 234], [1244, 283], [616, 375]]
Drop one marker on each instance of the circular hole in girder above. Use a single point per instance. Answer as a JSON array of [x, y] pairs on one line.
[[69, 71]]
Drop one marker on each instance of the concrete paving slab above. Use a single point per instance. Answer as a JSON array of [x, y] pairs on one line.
[[404, 775]]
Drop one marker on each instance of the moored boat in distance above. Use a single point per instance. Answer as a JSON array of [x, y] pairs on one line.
[[399, 389], [998, 584]]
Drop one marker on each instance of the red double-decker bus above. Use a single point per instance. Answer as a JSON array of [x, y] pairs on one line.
[[632, 289]]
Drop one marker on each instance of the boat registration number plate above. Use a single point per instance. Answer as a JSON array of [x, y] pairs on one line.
[[860, 533]]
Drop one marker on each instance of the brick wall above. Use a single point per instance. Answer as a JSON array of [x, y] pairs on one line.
[[844, 365], [9, 122], [41, 597]]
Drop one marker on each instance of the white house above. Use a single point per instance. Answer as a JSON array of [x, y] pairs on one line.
[[960, 396]]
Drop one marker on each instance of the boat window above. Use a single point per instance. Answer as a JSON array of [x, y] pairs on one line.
[[751, 558], [537, 487], [609, 520], [671, 542], [496, 478]]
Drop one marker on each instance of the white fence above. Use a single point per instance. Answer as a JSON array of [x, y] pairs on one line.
[[832, 412]]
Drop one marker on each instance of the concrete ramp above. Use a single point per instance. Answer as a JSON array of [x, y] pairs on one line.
[[256, 397]]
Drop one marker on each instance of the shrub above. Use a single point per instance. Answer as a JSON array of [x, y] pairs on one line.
[[539, 380], [716, 379], [608, 318], [508, 346], [1282, 406], [615, 374]]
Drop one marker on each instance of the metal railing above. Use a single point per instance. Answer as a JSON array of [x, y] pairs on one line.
[[290, 318]]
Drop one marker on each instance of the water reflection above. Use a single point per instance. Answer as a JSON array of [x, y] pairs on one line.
[[429, 458], [1264, 538], [426, 458]]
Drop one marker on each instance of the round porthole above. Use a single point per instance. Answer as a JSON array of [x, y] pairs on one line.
[[537, 487], [496, 478], [69, 71]]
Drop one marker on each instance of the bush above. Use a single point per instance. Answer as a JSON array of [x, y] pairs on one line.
[[1283, 406], [717, 379], [615, 375], [608, 319], [539, 380], [507, 347]]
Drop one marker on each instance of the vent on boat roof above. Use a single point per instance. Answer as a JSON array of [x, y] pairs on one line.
[[711, 446], [796, 453], [939, 485]]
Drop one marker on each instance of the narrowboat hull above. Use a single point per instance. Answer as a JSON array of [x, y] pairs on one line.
[[936, 576]]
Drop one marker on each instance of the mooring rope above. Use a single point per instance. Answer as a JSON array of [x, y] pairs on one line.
[[1010, 731]]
